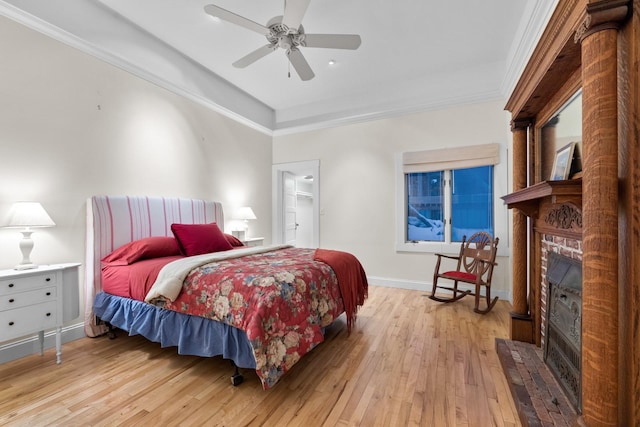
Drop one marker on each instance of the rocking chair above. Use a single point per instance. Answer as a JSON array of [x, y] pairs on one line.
[[475, 266]]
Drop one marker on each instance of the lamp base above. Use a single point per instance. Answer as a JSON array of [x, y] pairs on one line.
[[25, 266], [26, 245], [240, 234]]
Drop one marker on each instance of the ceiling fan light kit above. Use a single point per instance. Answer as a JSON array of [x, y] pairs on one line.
[[286, 32]]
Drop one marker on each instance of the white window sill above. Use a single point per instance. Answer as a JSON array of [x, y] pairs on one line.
[[440, 247]]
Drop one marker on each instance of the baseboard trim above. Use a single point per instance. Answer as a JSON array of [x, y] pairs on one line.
[[28, 346], [426, 286]]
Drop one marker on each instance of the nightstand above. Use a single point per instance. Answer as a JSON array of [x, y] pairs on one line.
[[38, 299], [253, 241]]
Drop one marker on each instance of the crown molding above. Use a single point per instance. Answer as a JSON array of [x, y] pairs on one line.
[[535, 19]]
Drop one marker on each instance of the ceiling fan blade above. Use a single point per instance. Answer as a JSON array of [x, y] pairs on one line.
[[300, 64], [294, 11], [254, 56], [332, 41], [235, 19]]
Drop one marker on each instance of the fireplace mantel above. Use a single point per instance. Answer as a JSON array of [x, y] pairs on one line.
[[554, 206], [529, 199], [602, 63]]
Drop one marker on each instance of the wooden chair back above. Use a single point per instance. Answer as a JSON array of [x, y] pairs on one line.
[[478, 255]]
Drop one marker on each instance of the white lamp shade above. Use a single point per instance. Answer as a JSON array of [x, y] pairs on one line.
[[245, 213], [27, 215]]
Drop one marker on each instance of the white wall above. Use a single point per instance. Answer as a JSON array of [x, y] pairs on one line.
[[358, 177], [72, 126]]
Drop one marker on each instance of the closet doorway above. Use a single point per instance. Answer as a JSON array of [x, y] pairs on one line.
[[296, 206]]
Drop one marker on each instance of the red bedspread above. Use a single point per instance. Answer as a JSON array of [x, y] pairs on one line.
[[281, 299]]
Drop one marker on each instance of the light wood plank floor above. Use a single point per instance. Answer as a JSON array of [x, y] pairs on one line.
[[409, 361]]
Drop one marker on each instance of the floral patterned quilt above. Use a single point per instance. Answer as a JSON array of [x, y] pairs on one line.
[[282, 299]]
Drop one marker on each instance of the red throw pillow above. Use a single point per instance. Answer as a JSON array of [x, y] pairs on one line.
[[146, 248], [196, 239], [233, 240]]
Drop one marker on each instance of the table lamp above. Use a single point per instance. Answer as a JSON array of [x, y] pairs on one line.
[[27, 215], [245, 213]]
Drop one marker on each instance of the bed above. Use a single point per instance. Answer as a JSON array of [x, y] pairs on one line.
[[164, 269]]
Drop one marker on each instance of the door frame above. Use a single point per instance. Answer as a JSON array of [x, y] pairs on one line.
[[309, 167]]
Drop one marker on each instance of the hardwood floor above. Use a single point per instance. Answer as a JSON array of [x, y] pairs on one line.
[[409, 361]]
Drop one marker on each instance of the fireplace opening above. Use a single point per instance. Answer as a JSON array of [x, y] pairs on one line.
[[562, 346]]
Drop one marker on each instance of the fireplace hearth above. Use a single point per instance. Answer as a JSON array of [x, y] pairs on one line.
[[562, 345]]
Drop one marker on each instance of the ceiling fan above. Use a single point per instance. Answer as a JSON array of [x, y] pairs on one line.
[[287, 33]]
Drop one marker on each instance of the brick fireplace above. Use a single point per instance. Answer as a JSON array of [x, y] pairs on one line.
[[550, 389]]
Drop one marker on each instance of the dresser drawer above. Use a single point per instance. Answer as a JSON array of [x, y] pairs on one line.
[[21, 284], [22, 299], [21, 321]]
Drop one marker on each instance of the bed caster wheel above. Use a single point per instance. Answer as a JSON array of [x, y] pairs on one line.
[[237, 379], [111, 333]]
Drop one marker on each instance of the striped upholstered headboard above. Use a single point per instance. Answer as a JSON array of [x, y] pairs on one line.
[[113, 221]]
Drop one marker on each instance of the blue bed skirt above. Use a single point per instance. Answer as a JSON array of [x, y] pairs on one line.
[[193, 335]]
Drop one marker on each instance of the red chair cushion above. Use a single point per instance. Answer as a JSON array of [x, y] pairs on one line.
[[462, 275]]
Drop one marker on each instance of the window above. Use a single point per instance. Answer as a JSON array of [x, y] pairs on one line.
[[425, 206], [471, 201], [445, 195], [470, 191]]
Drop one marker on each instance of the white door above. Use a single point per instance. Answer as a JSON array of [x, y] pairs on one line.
[[285, 194], [290, 202]]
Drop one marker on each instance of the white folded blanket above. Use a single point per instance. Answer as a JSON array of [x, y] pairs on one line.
[[168, 284]]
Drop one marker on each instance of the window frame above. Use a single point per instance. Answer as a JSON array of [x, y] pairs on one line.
[[500, 212]]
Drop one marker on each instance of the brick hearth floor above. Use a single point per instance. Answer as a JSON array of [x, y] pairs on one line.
[[538, 397]]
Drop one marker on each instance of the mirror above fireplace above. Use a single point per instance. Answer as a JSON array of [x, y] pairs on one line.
[[564, 128]]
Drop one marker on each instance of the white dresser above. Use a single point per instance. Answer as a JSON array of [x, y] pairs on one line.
[[38, 299]]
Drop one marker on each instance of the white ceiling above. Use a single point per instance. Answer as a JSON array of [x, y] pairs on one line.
[[415, 54]]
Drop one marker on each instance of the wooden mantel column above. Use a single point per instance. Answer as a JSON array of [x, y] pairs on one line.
[[600, 372], [521, 321]]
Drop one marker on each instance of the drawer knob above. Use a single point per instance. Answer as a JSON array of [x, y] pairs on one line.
[[11, 300], [48, 293], [48, 314], [48, 279], [10, 323], [11, 285]]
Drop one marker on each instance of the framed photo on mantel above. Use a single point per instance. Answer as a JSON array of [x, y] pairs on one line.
[[562, 162]]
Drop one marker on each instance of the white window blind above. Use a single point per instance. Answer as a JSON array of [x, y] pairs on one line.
[[450, 158]]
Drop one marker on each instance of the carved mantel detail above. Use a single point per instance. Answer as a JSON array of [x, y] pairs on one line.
[[521, 124], [564, 216], [602, 15]]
